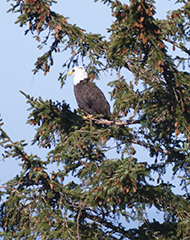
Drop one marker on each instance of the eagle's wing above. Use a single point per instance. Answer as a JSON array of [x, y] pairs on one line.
[[91, 99]]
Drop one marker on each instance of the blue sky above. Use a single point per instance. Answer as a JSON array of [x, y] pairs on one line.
[[17, 57]]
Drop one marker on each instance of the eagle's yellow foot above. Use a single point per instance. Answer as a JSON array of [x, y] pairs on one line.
[[88, 117]]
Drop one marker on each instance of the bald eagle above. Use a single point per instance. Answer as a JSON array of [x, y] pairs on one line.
[[89, 97]]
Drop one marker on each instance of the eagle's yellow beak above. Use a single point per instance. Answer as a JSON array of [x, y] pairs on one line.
[[70, 73]]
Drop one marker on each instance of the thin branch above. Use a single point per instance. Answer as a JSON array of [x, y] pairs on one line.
[[112, 122], [183, 48], [116, 229], [157, 149], [78, 217], [128, 122]]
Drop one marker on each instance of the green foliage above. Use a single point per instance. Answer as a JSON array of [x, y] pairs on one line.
[[90, 191]]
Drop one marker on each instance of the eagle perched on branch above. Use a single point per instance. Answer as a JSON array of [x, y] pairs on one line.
[[90, 98]]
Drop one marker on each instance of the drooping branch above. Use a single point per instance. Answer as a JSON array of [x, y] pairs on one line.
[[146, 145], [128, 122], [116, 229], [180, 46]]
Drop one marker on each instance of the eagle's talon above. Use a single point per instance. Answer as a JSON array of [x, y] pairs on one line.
[[88, 117]]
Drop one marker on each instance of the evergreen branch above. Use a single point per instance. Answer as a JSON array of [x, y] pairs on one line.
[[117, 229], [133, 67], [156, 149], [183, 48], [128, 122], [143, 144]]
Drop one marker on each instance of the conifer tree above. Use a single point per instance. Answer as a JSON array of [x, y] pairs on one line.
[[152, 110]]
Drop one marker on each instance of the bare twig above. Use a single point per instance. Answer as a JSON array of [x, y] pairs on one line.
[[119, 123], [78, 217], [183, 48], [157, 149]]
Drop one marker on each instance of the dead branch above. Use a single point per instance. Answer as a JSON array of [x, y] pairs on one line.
[[118, 123]]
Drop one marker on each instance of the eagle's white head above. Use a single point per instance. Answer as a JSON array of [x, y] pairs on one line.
[[79, 74]]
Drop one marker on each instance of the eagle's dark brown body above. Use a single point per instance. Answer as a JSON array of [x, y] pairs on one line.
[[91, 99]]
